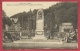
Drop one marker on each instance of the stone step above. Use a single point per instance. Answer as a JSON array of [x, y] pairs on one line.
[[39, 41]]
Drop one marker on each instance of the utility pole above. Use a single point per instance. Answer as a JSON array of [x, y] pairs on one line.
[[22, 23], [21, 28]]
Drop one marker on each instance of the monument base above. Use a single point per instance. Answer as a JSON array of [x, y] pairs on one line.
[[39, 35]]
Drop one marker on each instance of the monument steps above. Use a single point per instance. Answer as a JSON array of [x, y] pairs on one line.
[[39, 41]]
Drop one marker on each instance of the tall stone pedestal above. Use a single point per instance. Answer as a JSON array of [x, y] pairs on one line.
[[39, 32]]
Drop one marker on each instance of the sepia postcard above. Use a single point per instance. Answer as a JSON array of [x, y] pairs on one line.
[[40, 25]]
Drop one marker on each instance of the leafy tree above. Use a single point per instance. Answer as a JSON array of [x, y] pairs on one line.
[[6, 20], [65, 12]]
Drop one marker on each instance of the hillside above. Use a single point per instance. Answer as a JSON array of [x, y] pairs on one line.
[[55, 14]]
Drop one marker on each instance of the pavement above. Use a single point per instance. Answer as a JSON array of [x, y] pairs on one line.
[[37, 45]]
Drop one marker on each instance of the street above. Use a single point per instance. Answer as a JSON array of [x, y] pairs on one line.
[[39, 46]]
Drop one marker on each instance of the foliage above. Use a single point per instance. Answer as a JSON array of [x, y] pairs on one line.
[[54, 15], [6, 20], [60, 13]]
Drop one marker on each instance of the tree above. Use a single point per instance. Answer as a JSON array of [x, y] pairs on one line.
[[65, 12], [6, 19]]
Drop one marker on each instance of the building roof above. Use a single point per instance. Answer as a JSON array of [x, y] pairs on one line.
[[15, 20]]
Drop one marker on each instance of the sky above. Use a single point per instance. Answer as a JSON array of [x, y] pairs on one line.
[[12, 8]]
